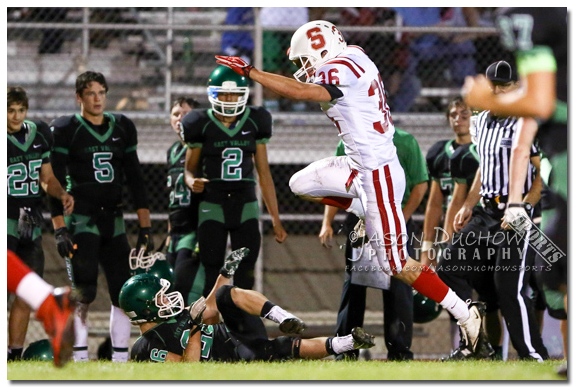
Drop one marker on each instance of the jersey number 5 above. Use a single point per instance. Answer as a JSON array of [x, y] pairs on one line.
[[103, 169]]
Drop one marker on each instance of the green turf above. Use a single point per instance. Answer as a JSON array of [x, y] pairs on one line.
[[293, 370]]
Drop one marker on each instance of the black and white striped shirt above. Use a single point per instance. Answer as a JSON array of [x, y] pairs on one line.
[[494, 140]]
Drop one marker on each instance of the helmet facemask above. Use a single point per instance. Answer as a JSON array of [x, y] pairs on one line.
[[169, 304], [307, 66], [138, 261], [224, 108]]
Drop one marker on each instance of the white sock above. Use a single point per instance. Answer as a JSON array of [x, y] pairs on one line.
[[81, 331], [33, 290], [278, 315], [342, 344], [457, 307], [119, 334], [356, 208]]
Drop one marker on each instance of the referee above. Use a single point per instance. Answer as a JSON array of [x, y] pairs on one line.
[[483, 255]]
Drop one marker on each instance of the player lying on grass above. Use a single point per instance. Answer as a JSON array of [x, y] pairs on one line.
[[172, 332]]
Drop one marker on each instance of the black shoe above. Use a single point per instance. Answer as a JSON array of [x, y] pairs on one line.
[[292, 325], [361, 339], [460, 354], [562, 370]]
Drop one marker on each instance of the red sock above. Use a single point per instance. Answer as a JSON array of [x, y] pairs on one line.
[[430, 285], [16, 271], [340, 202]]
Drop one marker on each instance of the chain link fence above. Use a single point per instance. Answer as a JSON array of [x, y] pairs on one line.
[[152, 55]]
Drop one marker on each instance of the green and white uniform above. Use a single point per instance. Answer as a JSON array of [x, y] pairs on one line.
[[28, 149]]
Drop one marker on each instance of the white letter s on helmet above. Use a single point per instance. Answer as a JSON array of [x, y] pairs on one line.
[[313, 44]]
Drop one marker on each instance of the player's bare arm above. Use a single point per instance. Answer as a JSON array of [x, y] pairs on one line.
[[290, 88], [52, 187], [192, 164], [433, 213], [536, 100], [326, 232], [415, 198], [464, 214], [268, 190], [284, 86], [520, 155], [459, 195], [194, 348], [144, 218]]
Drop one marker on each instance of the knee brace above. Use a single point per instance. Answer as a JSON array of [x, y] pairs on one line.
[[224, 297], [286, 347]]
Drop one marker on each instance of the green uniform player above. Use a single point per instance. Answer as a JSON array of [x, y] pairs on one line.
[[29, 173], [226, 144], [441, 194], [94, 152], [183, 213], [172, 332]]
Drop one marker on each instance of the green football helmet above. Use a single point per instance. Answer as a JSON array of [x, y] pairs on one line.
[[225, 80], [424, 309], [152, 263], [39, 351], [145, 298]]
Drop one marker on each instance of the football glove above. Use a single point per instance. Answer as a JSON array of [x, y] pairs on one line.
[[145, 240], [232, 262], [66, 247], [197, 310], [516, 217], [236, 64]]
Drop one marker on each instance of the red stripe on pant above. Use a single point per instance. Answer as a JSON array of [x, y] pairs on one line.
[[398, 231], [384, 221]]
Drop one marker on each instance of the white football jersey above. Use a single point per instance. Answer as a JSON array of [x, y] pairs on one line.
[[361, 115]]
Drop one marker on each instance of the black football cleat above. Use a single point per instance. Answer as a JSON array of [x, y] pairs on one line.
[[362, 339], [292, 325]]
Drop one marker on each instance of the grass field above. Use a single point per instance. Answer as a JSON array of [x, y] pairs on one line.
[[293, 370]]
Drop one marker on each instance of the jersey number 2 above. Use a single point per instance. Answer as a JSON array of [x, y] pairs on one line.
[[231, 166]]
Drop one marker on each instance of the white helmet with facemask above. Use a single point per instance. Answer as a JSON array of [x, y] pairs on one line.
[[312, 45]]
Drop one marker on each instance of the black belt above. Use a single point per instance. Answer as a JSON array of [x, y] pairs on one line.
[[496, 203]]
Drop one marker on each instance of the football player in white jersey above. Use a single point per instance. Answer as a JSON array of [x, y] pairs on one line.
[[369, 180]]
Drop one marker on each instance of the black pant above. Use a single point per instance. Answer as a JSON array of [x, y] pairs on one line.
[[212, 238], [397, 307], [485, 257], [103, 243], [186, 265], [248, 333]]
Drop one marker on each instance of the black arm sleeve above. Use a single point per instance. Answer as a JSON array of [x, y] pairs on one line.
[[135, 179], [333, 91]]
